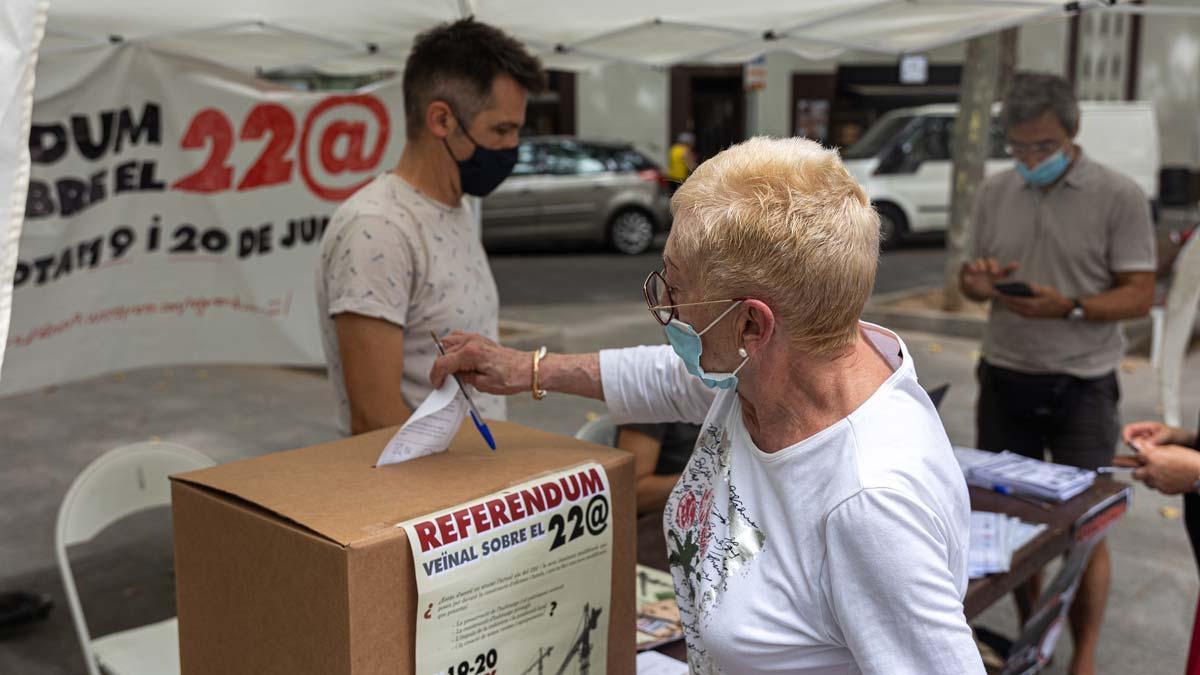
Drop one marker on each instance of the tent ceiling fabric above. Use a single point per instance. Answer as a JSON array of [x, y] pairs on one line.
[[365, 35]]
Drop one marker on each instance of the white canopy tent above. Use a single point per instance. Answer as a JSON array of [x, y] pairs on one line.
[[356, 36], [364, 35]]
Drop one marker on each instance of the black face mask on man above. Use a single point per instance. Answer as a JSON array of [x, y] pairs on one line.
[[485, 169]]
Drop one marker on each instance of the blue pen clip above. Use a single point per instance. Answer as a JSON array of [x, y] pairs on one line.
[[484, 431]]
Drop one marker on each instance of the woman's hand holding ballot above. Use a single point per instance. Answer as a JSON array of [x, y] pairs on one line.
[[1164, 462]]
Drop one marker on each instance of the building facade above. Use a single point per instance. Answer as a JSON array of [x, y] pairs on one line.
[[1110, 57]]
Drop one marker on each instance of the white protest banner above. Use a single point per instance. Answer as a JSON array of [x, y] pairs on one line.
[[175, 212], [22, 25], [518, 581]]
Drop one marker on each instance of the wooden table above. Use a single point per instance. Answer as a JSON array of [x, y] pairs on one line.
[[1061, 530], [1051, 543]]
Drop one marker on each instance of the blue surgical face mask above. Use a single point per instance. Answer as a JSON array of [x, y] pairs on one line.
[[688, 346], [1047, 172]]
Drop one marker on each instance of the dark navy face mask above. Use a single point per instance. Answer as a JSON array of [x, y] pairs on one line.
[[485, 169]]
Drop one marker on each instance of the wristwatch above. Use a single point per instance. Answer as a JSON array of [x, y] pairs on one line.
[[1077, 312]]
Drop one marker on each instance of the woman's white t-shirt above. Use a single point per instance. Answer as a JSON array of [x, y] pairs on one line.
[[845, 553]]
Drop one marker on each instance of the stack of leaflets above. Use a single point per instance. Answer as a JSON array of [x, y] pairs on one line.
[[1010, 473], [995, 537], [658, 615]]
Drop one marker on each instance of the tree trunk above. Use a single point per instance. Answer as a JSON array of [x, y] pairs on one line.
[[987, 72]]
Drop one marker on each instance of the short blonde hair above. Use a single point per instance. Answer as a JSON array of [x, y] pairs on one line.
[[782, 221]]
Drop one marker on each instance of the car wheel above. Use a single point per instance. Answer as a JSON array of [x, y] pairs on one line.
[[631, 232], [892, 226]]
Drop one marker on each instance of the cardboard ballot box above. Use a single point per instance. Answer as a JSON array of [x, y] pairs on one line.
[[292, 563]]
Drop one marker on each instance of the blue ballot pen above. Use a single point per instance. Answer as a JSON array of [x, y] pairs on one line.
[[1009, 492], [475, 417]]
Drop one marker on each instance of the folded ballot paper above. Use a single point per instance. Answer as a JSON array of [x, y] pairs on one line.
[[430, 428], [995, 537], [1007, 472]]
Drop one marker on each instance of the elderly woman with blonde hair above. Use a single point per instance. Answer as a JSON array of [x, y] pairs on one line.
[[821, 524]]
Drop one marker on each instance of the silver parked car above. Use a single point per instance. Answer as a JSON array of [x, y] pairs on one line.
[[565, 189]]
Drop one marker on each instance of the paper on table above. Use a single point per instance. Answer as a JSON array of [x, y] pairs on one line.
[[430, 428], [653, 663]]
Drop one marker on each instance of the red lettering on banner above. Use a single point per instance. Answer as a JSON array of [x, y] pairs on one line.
[[208, 125], [272, 166], [198, 307], [353, 159], [341, 146]]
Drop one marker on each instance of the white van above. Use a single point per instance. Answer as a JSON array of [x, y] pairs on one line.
[[904, 163]]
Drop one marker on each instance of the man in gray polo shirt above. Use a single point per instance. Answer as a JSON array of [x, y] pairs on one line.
[[1064, 249]]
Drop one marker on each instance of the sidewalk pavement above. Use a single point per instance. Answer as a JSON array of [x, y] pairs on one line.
[[234, 412]]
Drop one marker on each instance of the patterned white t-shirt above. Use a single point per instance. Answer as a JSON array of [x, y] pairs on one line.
[[845, 553], [391, 252]]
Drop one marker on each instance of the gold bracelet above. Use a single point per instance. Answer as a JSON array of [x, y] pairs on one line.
[[538, 393]]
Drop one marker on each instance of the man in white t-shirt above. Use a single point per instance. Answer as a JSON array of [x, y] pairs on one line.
[[401, 259], [820, 526]]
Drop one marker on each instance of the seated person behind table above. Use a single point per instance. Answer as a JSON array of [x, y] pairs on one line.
[[821, 524], [660, 451], [401, 258]]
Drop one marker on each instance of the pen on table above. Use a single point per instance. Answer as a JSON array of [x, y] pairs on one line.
[[475, 417], [1009, 492], [1116, 469]]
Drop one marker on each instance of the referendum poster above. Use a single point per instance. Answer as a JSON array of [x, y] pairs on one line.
[[518, 581]]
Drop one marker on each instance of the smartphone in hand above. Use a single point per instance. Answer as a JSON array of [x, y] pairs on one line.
[[1018, 289]]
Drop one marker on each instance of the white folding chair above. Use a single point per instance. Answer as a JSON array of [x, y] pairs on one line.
[[601, 431], [120, 483]]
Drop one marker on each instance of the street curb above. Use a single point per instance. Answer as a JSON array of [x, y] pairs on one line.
[[1137, 331], [921, 320]]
